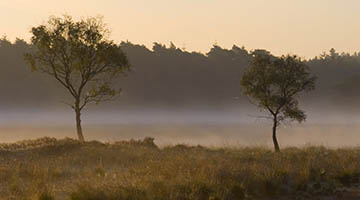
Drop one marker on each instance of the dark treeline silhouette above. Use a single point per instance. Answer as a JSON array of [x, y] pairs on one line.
[[173, 77], [170, 77]]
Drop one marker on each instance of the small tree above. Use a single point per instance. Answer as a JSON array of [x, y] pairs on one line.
[[80, 57], [274, 84]]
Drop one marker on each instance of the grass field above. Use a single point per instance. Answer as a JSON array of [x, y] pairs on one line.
[[49, 168]]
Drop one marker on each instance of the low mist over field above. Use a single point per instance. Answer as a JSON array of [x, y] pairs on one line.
[[188, 127]]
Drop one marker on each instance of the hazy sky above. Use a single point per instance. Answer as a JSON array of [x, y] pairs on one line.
[[304, 27]]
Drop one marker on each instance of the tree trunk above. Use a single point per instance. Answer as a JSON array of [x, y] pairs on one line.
[[276, 144], [78, 122]]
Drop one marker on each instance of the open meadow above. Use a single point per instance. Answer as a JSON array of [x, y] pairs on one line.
[[49, 168]]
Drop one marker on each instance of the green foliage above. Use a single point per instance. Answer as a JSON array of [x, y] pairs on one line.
[[274, 84], [77, 54]]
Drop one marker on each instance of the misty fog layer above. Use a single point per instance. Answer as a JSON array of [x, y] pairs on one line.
[[187, 127], [177, 96]]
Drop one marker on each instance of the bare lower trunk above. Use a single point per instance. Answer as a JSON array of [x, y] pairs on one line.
[[78, 122], [276, 144]]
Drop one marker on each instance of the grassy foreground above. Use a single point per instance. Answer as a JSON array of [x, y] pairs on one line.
[[49, 168]]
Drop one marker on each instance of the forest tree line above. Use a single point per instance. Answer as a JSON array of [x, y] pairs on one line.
[[171, 77]]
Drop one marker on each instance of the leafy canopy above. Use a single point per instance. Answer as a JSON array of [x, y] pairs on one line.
[[275, 83], [79, 55]]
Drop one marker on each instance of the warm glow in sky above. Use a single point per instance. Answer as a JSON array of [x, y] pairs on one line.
[[304, 27]]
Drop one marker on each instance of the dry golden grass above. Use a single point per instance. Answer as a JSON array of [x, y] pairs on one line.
[[48, 168]]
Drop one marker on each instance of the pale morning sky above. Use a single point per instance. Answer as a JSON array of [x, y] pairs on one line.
[[303, 27]]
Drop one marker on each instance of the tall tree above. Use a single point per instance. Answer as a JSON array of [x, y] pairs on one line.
[[274, 84], [79, 55]]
